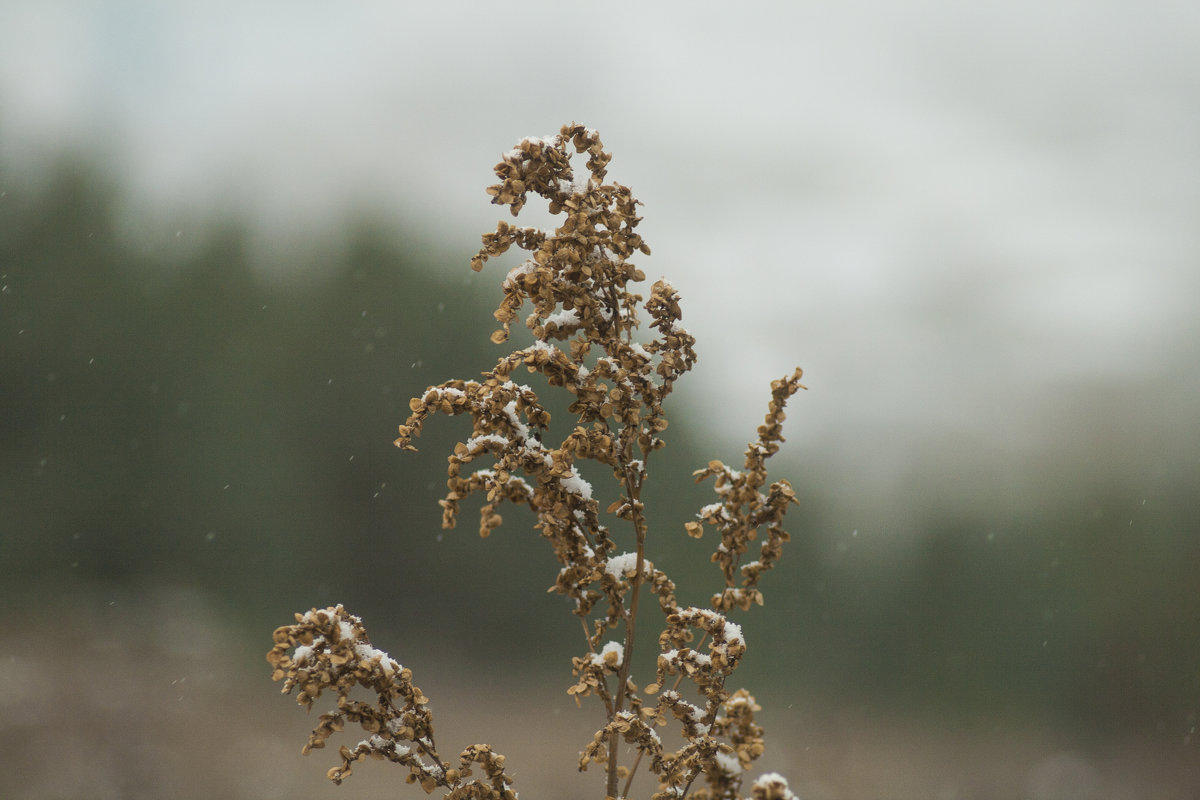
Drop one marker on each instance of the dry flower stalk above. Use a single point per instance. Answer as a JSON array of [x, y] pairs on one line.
[[583, 317]]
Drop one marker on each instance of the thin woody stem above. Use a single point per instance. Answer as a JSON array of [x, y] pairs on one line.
[[638, 761], [634, 488], [632, 771]]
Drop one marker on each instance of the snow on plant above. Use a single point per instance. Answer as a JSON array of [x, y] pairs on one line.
[[583, 318]]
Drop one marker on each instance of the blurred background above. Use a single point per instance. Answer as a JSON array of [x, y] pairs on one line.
[[234, 241]]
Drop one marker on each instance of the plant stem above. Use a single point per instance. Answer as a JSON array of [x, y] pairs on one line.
[[632, 771], [633, 489]]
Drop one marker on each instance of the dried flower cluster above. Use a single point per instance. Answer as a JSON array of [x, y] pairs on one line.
[[329, 649], [583, 318]]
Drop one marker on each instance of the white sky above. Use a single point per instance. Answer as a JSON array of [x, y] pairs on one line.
[[948, 213]]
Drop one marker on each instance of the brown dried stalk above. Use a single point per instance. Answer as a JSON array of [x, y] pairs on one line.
[[583, 318]]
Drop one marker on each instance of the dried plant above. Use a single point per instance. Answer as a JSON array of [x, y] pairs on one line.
[[583, 320]]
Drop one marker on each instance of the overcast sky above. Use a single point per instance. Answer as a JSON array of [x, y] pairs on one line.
[[950, 214]]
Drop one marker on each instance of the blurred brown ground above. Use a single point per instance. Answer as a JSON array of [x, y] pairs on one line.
[[155, 696]]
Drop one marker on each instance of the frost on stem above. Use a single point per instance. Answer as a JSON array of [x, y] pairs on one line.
[[573, 292]]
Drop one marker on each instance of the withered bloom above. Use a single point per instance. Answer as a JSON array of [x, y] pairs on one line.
[[574, 290]]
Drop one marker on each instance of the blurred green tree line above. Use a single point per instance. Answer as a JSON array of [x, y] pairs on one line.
[[189, 417]]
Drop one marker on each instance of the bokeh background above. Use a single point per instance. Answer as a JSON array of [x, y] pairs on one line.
[[234, 241]]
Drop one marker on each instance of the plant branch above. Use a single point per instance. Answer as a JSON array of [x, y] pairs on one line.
[[577, 280]]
